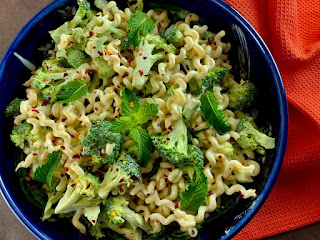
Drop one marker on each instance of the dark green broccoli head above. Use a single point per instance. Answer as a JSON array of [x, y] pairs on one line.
[[171, 34], [103, 145], [13, 109], [173, 145], [212, 78], [242, 96], [251, 138], [84, 4], [76, 58], [22, 133]]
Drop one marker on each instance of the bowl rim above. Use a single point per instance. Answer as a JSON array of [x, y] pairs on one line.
[[281, 97]]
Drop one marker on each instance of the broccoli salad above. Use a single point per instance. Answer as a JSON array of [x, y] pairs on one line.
[[135, 123]]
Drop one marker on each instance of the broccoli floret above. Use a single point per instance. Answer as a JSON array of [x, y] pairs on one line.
[[125, 171], [84, 4], [173, 145], [146, 57], [118, 212], [172, 35], [49, 93], [76, 58], [213, 77], [207, 35], [53, 199], [242, 96], [21, 134], [227, 149], [103, 145], [80, 193], [251, 138], [117, 216], [79, 36], [190, 109], [13, 109]]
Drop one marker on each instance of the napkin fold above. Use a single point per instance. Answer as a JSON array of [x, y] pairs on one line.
[[291, 29]]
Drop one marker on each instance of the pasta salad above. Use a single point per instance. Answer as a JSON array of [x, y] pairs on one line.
[[135, 123]]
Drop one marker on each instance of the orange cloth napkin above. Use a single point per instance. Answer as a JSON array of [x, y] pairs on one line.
[[291, 29]]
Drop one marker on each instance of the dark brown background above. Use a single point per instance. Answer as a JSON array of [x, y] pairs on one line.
[[13, 15]]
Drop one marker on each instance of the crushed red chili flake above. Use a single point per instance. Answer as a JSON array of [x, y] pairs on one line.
[[149, 220], [148, 195], [125, 35], [141, 211], [62, 175], [186, 175], [141, 72], [177, 205], [63, 119], [15, 124], [130, 59], [67, 169], [168, 139], [76, 156], [90, 34], [94, 221], [193, 232], [219, 156], [165, 53], [89, 71], [45, 103], [209, 194], [144, 58], [136, 199], [121, 226], [170, 169], [187, 67], [196, 125], [88, 185], [119, 55], [170, 128], [96, 109], [112, 34], [121, 180], [100, 53], [159, 26], [69, 13], [94, 47], [241, 195], [214, 43], [72, 136], [73, 185], [125, 75], [117, 169], [35, 154], [35, 110], [121, 190]]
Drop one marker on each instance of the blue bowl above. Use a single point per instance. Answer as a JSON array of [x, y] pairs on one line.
[[248, 53]]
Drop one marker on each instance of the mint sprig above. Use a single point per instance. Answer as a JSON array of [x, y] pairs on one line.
[[194, 196], [72, 91], [143, 140], [130, 102], [44, 173]]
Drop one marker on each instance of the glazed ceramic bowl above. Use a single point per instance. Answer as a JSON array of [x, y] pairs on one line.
[[249, 53]]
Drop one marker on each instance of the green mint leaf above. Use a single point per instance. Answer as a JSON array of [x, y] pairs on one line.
[[142, 138], [195, 195], [214, 116], [134, 119], [139, 25], [130, 102], [44, 173], [72, 91]]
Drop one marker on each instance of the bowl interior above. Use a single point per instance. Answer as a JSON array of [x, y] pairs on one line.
[[248, 54]]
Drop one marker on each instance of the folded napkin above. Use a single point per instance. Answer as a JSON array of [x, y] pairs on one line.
[[291, 29]]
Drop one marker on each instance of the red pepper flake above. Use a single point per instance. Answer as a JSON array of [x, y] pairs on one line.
[[141, 211], [135, 199], [148, 195], [119, 55], [34, 73], [112, 34], [35, 154], [141, 72], [159, 26], [125, 75], [214, 43], [144, 58], [63, 147], [121, 180], [170, 169], [93, 221], [34, 110], [72, 136], [73, 185], [134, 178], [193, 232], [187, 67], [69, 13], [186, 175], [67, 169], [88, 185], [45, 103], [96, 109], [121, 226], [15, 125], [117, 169], [121, 190], [146, 75], [130, 59], [149, 220], [219, 156], [100, 53], [196, 125], [63, 119], [167, 184], [176, 206], [241, 195], [209, 41], [170, 128], [89, 71], [76, 156], [140, 54], [62, 175], [209, 194], [94, 47], [90, 34], [168, 139], [165, 53]]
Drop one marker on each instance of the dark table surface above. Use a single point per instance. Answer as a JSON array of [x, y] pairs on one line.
[[14, 14]]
